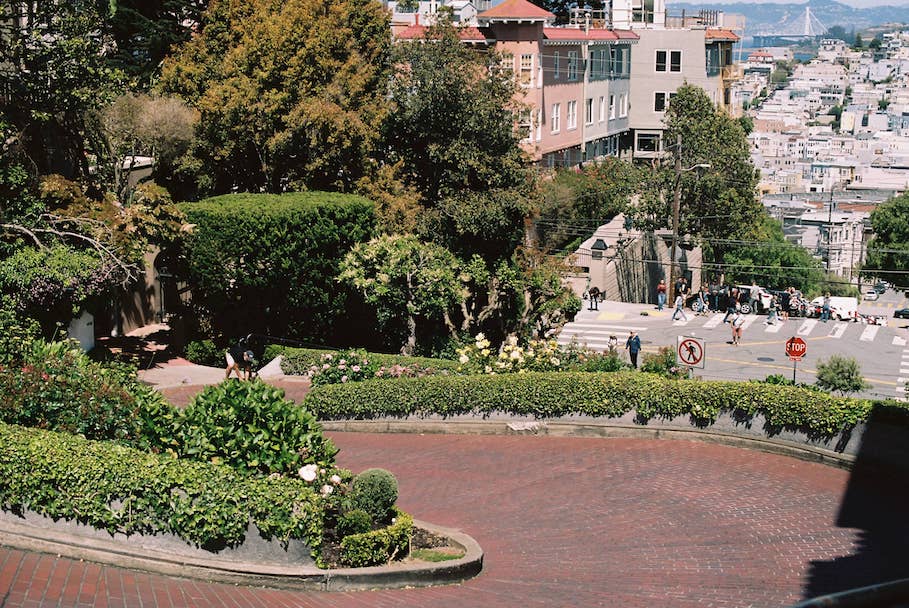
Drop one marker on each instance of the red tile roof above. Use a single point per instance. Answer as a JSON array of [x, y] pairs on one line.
[[718, 34], [570, 33], [517, 10], [418, 32]]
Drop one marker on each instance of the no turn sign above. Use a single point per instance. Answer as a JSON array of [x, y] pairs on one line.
[[690, 351]]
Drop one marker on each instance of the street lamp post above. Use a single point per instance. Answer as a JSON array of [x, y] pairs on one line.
[[676, 204]]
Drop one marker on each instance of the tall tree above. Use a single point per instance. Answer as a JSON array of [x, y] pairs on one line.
[[718, 203], [54, 70], [289, 93], [888, 249], [452, 131]]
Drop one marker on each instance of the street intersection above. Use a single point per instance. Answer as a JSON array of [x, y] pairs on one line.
[[881, 350]]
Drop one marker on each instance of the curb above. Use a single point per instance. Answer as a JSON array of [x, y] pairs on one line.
[[301, 578], [591, 429]]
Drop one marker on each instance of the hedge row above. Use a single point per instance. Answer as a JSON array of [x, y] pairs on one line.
[[297, 361], [262, 262], [120, 489], [549, 395], [378, 546]]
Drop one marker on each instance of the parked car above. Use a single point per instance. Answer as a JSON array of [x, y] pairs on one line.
[[841, 308], [871, 295], [901, 313]]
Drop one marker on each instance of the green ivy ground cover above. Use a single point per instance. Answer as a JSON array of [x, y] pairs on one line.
[[120, 489]]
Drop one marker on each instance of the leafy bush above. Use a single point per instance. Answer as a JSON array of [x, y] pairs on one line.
[[59, 388], [124, 490], [356, 521], [375, 491], [345, 366], [298, 361], [379, 546], [841, 374], [16, 333], [663, 362], [258, 261], [253, 428], [547, 395], [205, 352]]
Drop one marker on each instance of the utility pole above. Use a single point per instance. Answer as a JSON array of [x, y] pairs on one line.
[[676, 202], [829, 224]]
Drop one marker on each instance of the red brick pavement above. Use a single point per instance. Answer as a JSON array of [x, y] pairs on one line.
[[562, 521]]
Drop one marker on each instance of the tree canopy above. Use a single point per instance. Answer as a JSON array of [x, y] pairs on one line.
[[888, 249], [288, 93]]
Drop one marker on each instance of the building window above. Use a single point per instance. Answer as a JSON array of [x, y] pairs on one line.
[[661, 61], [572, 117], [556, 117], [526, 70], [539, 125], [659, 102], [555, 65], [588, 111], [572, 65], [668, 61], [507, 64], [648, 142], [623, 105], [612, 107], [602, 113]]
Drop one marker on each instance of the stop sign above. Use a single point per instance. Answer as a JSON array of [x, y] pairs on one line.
[[796, 348]]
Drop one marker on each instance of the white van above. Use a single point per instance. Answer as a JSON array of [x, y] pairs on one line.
[[841, 307]]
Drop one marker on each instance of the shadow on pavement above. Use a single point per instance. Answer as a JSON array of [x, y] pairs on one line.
[[875, 503]]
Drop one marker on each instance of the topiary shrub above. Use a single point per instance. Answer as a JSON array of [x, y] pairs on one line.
[[375, 491], [205, 352], [253, 428], [356, 521]]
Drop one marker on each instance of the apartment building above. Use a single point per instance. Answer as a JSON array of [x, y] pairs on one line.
[[593, 87]]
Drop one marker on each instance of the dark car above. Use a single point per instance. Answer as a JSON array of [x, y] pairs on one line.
[[880, 287], [901, 313]]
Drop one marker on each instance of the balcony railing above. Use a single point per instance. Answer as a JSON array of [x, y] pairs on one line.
[[732, 72]]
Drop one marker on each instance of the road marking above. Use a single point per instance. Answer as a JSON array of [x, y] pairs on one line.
[[610, 316], [898, 341], [749, 319], [774, 328], [869, 333], [806, 327], [900, 389], [838, 330], [596, 326], [714, 321], [681, 322]]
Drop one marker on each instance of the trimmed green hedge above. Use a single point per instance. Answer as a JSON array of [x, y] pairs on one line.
[[378, 546], [548, 395], [297, 361], [120, 489], [261, 262]]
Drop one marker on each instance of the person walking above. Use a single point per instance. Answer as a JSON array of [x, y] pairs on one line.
[[679, 307], [234, 355], [738, 322], [633, 346], [731, 303], [771, 311], [661, 295], [825, 308], [703, 300], [594, 298]]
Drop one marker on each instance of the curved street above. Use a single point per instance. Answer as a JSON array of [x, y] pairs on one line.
[[566, 521]]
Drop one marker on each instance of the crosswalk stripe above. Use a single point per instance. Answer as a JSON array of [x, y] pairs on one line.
[[900, 389], [838, 330], [749, 320], [596, 326], [714, 321], [869, 333], [806, 327], [898, 341], [774, 328]]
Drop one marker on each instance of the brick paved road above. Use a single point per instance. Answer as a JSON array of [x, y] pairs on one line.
[[563, 522]]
